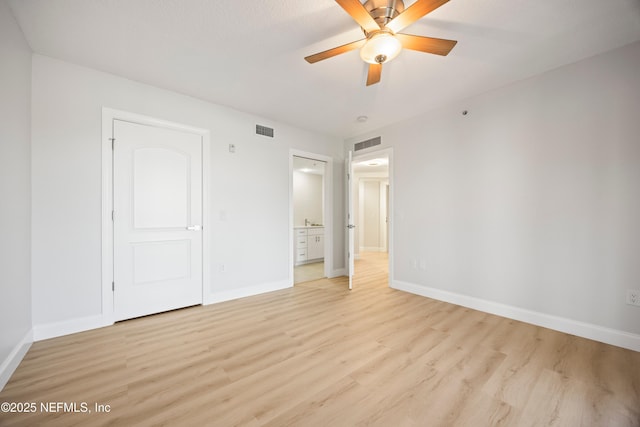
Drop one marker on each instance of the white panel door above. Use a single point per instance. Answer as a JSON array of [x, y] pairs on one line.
[[157, 200]]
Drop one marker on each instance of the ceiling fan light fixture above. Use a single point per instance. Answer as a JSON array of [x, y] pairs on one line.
[[382, 22], [381, 47]]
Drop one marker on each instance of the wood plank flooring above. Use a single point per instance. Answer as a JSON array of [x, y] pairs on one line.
[[321, 355]]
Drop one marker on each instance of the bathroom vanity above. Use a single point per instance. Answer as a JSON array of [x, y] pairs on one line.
[[308, 244]]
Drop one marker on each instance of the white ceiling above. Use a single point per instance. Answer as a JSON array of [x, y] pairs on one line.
[[373, 165], [304, 165], [249, 54]]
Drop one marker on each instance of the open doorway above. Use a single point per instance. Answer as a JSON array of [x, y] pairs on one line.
[[309, 210], [371, 193]]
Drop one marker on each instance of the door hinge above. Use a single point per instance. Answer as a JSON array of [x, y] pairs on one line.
[[113, 143], [113, 215], [113, 286]]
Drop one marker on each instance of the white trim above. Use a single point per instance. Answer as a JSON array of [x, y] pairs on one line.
[[108, 116], [67, 327], [107, 224], [338, 272], [13, 359], [328, 210], [562, 324], [248, 291], [206, 214]]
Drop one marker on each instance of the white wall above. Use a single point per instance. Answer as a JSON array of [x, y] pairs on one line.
[[532, 200], [253, 240], [370, 213], [307, 198], [15, 193]]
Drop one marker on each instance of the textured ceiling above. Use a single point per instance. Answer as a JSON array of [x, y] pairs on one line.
[[249, 54]]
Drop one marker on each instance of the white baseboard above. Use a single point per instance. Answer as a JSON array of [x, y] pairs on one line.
[[66, 327], [11, 362], [245, 292], [338, 272], [562, 324]]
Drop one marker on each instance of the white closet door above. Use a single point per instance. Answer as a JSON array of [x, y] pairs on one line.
[[157, 219]]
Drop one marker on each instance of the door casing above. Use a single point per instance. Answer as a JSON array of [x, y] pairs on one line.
[[328, 211]]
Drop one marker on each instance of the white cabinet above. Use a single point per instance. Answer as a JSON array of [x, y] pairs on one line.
[[300, 245], [308, 244], [315, 243]]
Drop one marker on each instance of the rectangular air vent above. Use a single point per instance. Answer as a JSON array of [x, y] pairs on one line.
[[265, 131], [368, 143]]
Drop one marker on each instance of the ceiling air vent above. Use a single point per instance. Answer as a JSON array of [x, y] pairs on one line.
[[265, 131], [368, 143]]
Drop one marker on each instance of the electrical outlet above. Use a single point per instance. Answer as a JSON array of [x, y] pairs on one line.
[[633, 297]]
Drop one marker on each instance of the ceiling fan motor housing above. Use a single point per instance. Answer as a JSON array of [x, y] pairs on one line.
[[383, 11]]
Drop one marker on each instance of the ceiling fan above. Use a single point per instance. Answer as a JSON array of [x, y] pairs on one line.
[[381, 21]]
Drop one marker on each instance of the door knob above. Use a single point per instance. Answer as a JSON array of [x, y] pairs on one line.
[[194, 228]]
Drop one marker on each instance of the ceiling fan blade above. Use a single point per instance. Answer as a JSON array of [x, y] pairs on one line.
[[335, 51], [373, 76], [413, 13], [426, 44], [357, 11]]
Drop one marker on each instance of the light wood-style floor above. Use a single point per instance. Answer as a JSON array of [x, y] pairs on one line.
[[320, 355]]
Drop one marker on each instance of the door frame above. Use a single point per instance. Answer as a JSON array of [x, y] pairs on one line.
[[108, 116], [388, 153], [328, 211]]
